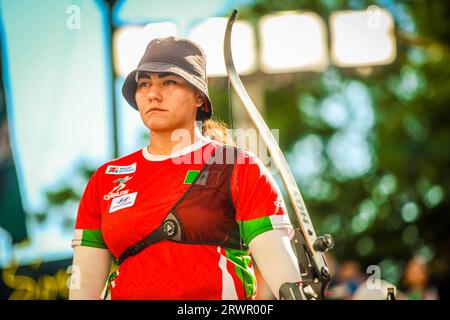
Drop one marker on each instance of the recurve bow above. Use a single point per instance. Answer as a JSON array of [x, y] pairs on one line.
[[308, 247]]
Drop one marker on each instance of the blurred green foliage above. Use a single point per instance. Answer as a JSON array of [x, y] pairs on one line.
[[398, 205]]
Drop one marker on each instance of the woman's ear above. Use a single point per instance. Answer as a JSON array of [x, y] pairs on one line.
[[200, 99]]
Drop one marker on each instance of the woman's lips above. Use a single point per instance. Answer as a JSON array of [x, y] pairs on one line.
[[156, 110]]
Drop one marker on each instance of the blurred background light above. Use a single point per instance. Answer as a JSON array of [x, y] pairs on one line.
[[307, 158], [388, 184], [293, 42], [410, 212], [350, 154], [426, 252], [209, 35], [390, 270], [362, 38], [334, 112], [434, 196], [129, 43]]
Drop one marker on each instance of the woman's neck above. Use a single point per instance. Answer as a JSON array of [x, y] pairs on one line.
[[166, 143]]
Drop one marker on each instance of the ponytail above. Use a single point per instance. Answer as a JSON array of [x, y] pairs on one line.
[[217, 130]]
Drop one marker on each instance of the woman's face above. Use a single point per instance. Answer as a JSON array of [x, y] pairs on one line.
[[166, 101]]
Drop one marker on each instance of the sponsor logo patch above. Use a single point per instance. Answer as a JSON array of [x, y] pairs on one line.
[[123, 202], [117, 190], [121, 169]]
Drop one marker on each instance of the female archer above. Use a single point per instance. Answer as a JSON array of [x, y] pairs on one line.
[[181, 216]]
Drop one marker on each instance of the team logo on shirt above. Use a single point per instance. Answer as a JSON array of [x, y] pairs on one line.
[[121, 169], [123, 202], [117, 190], [279, 203]]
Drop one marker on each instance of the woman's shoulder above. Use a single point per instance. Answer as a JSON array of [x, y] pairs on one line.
[[242, 156], [247, 157]]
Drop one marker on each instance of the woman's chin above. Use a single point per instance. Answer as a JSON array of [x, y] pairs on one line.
[[158, 125]]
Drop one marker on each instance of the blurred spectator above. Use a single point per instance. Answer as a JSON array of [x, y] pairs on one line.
[[347, 280], [367, 291], [415, 281]]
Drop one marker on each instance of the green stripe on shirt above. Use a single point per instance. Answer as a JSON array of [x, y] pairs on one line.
[[252, 228], [242, 261], [93, 238]]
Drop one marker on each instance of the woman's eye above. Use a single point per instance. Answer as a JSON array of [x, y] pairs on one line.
[[169, 82], [142, 85]]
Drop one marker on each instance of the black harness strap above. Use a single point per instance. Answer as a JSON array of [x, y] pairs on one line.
[[167, 230], [172, 227]]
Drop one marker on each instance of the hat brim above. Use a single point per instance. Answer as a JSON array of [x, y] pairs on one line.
[[129, 86]]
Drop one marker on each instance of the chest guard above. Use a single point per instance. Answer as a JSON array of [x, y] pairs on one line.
[[205, 213]]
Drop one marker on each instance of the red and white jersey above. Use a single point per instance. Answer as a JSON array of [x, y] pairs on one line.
[[128, 198]]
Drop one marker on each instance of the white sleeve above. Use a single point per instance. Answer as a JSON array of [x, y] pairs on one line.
[[275, 258], [90, 270]]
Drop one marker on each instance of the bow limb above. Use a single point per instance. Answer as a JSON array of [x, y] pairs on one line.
[[313, 250]]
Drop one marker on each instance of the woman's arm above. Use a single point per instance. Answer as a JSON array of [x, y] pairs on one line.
[[90, 270], [275, 259]]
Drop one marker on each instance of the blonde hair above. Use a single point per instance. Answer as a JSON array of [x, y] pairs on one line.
[[217, 130]]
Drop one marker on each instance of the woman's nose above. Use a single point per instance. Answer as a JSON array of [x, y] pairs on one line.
[[154, 92]]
